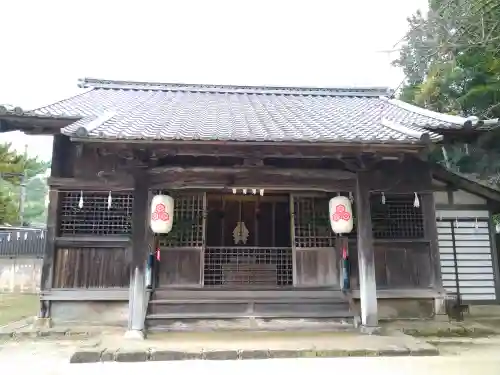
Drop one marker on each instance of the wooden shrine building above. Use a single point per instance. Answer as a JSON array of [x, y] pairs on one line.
[[264, 158]]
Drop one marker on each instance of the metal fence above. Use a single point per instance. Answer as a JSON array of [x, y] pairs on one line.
[[22, 243]]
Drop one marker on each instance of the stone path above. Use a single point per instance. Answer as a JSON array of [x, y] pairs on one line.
[[215, 346], [99, 344]]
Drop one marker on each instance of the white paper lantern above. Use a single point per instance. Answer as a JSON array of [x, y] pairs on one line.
[[162, 213], [340, 209]]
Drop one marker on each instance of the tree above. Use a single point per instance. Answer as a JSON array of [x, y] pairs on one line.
[[12, 167], [451, 60]]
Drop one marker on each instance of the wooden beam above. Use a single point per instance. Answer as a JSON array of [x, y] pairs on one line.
[[333, 174], [78, 294], [211, 182], [93, 241], [464, 183], [93, 185], [252, 149], [366, 255]]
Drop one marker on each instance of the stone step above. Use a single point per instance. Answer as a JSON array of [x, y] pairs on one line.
[[162, 323]]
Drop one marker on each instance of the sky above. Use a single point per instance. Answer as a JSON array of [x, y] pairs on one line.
[[48, 45]]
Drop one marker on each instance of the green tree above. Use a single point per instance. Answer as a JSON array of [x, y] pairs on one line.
[[12, 167], [451, 60]]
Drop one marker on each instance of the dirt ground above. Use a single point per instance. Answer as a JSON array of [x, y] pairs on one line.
[[14, 307]]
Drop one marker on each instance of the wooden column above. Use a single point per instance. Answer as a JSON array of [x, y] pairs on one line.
[[138, 250], [431, 234], [366, 256], [49, 253], [61, 166]]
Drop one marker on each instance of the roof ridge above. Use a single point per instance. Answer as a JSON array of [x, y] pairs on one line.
[[303, 90], [453, 119], [407, 131]]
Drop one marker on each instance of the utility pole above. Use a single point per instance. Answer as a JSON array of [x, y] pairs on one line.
[[22, 198]]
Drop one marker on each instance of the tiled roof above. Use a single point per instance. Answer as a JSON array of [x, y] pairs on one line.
[[155, 111], [7, 110]]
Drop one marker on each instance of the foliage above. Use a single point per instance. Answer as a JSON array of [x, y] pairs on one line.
[[12, 166], [451, 60]]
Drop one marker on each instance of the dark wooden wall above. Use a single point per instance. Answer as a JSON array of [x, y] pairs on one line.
[[180, 267], [403, 265], [91, 268], [400, 263]]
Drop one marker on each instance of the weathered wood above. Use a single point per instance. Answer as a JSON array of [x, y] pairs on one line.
[[366, 257], [139, 250], [431, 234], [269, 149], [48, 258], [398, 264], [207, 183], [78, 294], [298, 173], [401, 293], [91, 268], [410, 175], [188, 180], [63, 162], [317, 267], [36, 125], [59, 146], [89, 184], [180, 267], [93, 241]]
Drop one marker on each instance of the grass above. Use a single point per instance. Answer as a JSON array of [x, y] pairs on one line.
[[17, 306]]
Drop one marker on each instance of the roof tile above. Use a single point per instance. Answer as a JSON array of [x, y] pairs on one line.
[[154, 111]]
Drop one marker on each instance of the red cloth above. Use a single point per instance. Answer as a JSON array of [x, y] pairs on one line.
[[344, 253]]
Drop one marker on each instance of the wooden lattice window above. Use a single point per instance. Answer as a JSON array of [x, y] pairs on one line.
[[248, 266], [311, 224], [396, 217], [187, 230], [95, 217]]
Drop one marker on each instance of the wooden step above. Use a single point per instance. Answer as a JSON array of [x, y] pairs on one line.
[[179, 294], [301, 315], [247, 300]]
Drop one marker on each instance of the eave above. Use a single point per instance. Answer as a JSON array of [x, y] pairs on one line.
[[462, 182], [34, 124]]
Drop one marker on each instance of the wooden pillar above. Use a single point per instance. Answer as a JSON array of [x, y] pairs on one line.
[[138, 250], [431, 235], [366, 256], [47, 276], [61, 166]]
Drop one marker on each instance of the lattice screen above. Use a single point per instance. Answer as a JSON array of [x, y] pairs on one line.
[[187, 230], [397, 218], [248, 266], [311, 223], [94, 217]]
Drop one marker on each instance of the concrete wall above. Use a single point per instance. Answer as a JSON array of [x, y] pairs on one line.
[[403, 308], [20, 275], [112, 313]]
